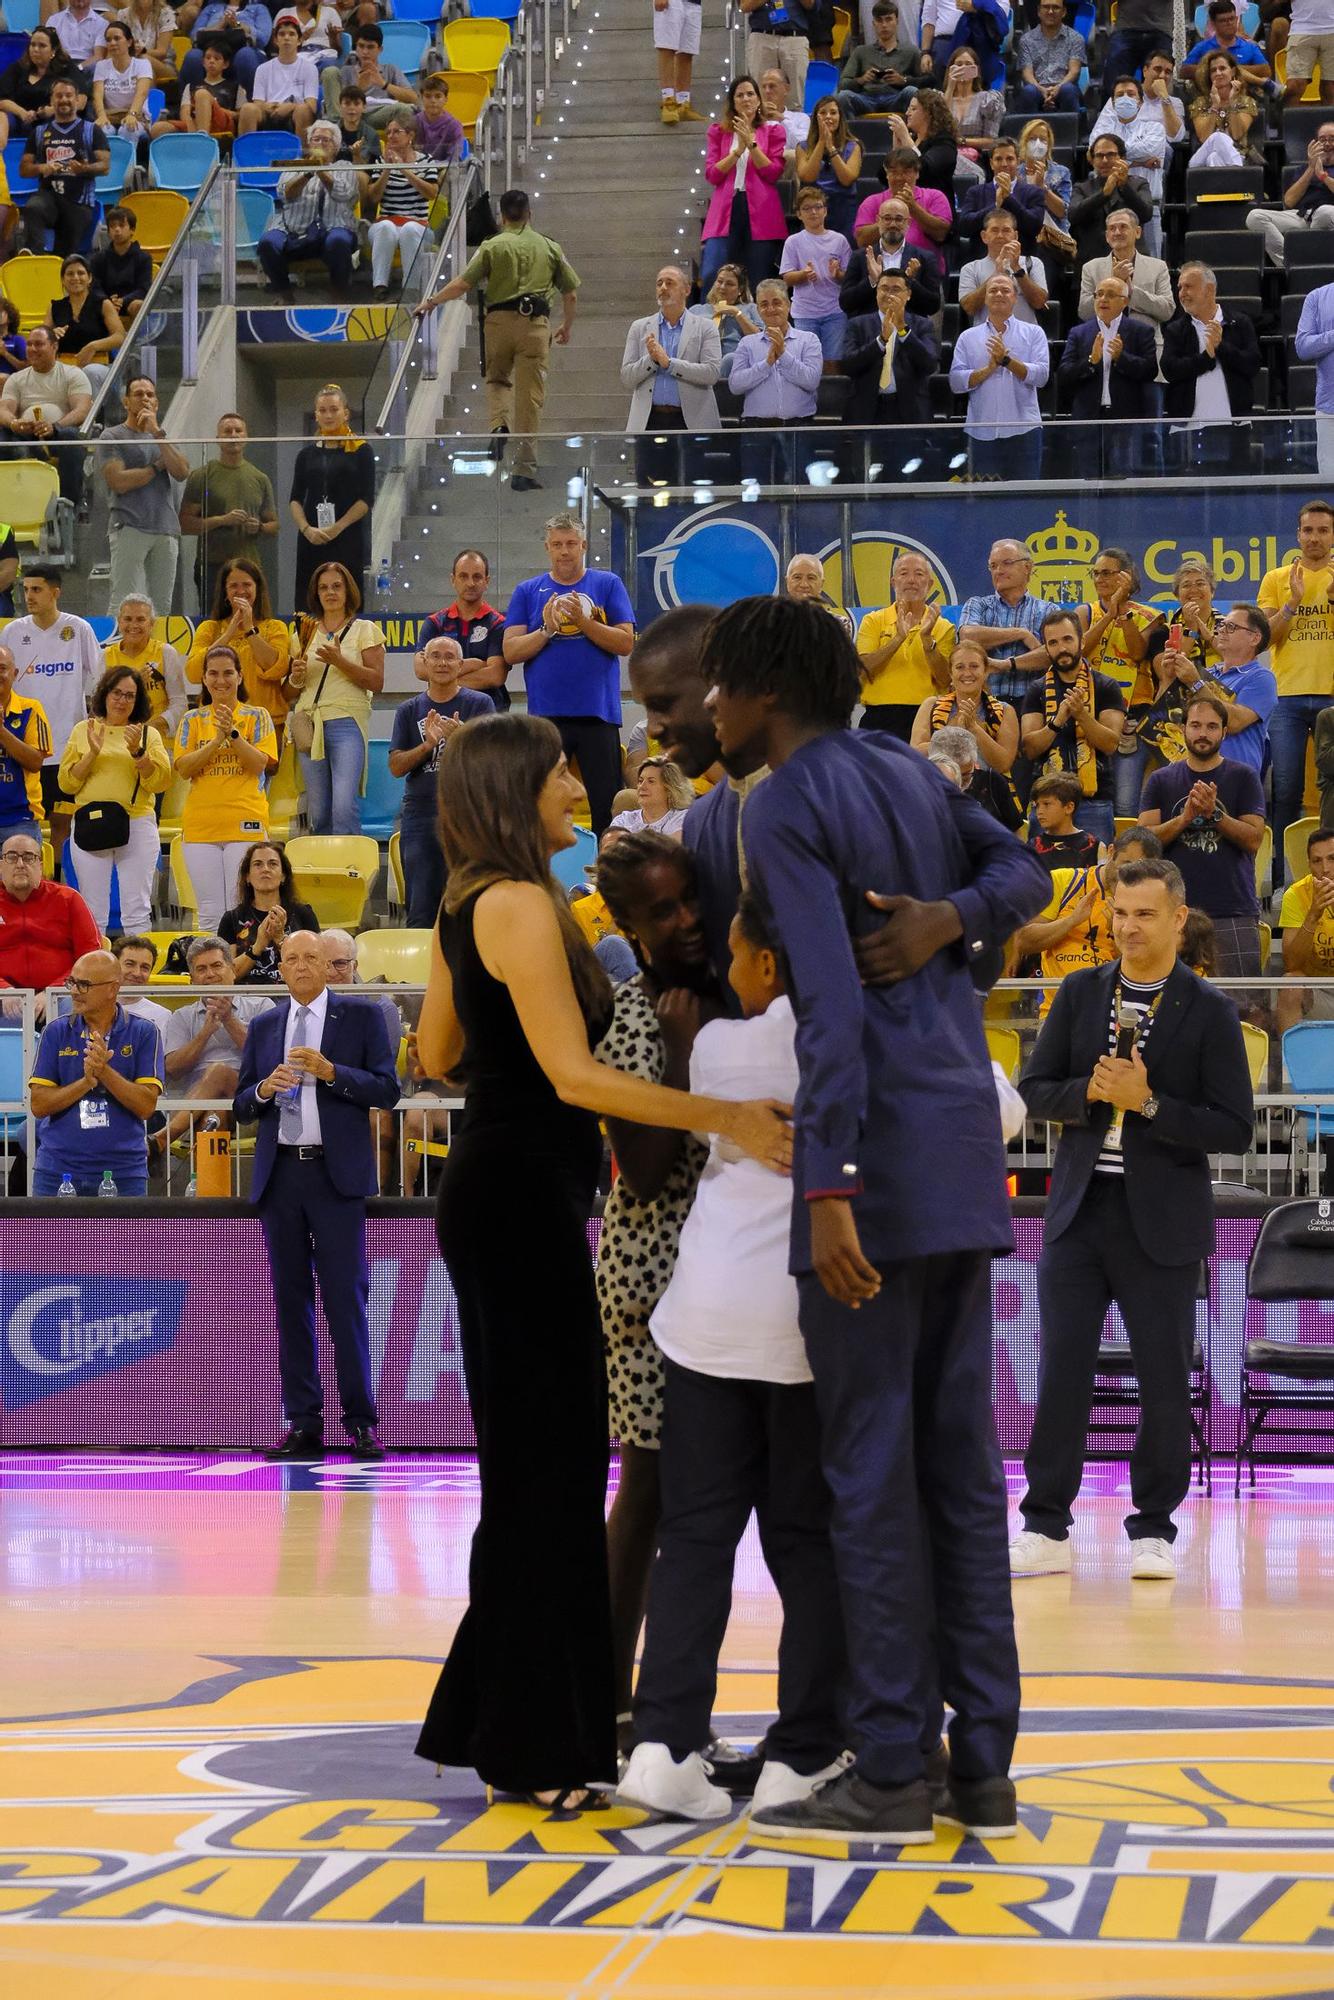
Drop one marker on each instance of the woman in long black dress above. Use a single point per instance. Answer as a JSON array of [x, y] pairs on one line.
[[333, 487], [516, 999]]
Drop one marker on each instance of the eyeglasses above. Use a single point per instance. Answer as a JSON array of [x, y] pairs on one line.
[[333, 962], [22, 856], [1231, 625], [86, 985]]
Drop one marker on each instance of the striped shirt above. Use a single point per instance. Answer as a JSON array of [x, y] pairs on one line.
[[400, 201], [1140, 1000]]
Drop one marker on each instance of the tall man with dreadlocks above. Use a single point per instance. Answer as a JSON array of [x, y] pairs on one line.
[[892, 1264]]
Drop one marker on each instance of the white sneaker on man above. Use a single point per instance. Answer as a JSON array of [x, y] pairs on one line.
[[655, 1781], [1151, 1557], [779, 1785], [1032, 1554]]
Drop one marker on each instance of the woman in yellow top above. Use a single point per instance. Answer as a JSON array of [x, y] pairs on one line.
[[337, 667], [993, 725], [159, 666], [225, 748], [1120, 637], [243, 619], [905, 651], [116, 760]]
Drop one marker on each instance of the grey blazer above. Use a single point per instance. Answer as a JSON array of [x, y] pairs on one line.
[[697, 366]]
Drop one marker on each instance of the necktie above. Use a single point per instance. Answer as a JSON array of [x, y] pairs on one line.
[[887, 366], [289, 1112]]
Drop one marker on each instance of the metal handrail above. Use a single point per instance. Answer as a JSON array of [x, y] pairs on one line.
[[425, 327], [180, 251]]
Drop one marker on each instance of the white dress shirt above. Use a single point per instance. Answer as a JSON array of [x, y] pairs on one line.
[[1109, 334], [313, 1037], [1213, 405]]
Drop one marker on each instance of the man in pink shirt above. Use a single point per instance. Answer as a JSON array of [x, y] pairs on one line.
[[930, 214]]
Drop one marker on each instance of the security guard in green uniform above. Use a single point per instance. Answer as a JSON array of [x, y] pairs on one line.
[[522, 274]]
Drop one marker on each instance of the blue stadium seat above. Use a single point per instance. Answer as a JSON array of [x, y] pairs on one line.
[[256, 213], [1308, 1062], [23, 15], [495, 10], [12, 49], [181, 162], [13, 1082], [821, 81], [20, 185], [405, 43], [383, 802], [429, 11], [109, 185], [568, 866], [261, 149]]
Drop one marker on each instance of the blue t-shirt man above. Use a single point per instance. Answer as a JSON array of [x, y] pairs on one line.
[[96, 1133], [409, 733], [1254, 687], [571, 676]]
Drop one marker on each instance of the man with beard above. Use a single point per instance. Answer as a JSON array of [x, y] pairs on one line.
[[1071, 721], [891, 251]]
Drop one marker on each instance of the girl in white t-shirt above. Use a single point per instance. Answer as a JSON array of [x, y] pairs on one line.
[[740, 1432]]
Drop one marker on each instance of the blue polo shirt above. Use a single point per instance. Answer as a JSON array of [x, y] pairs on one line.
[[1254, 687], [571, 676], [67, 1142]]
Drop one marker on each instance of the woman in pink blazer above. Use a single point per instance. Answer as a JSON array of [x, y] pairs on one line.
[[740, 137]]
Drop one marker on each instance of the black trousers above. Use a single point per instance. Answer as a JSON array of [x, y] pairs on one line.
[[597, 746], [68, 218], [1096, 1261], [729, 1446], [910, 1452]]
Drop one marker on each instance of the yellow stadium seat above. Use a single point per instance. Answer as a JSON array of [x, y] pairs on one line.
[[186, 898], [284, 793], [158, 216], [334, 873], [403, 958], [1311, 94], [48, 861], [1264, 860], [396, 868], [1257, 1054], [31, 486], [33, 285], [1295, 838], [173, 805], [1122, 823], [468, 92], [474, 45], [1003, 1047], [842, 29]]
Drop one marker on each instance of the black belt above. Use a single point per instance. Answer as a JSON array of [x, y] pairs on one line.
[[531, 304], [303, 1152]]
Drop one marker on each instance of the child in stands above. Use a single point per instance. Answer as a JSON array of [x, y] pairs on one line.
[[439, 134], [124, 270], [1056, 840]]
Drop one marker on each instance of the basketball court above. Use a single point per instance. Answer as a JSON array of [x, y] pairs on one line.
[[215, 1668]]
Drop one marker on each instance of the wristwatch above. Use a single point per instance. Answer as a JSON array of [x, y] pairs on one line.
[[236, 735], [1149, 1108]]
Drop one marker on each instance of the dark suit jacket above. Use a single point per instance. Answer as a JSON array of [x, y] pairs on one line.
[[1196, 1060], [1081, 379], [1090, 208], [1025, 202], [1183, 362], [857, 294], [916, 358], [356, 1041]]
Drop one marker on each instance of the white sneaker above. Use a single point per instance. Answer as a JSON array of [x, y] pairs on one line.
[[1032, 1554], [1152, 1557], [656, 1782], [779, 1785]]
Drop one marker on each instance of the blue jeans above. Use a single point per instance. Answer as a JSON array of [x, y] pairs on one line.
[[761, 260], [276, 250], [423, 870], [1030, 98], [333, 782], [860, 103], [1018, 457], [829, 332], [46, 1180], [1127, 52], [1290, 727], [1129, 774]]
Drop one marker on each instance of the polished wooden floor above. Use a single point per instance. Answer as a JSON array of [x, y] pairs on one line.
[[211, 1673]]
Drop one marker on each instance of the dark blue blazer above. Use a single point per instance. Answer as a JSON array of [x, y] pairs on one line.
[[897, 1104], [1195, 1055], [356, 1041], [1135, 367]]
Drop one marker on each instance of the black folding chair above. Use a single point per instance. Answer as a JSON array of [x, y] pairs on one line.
[[1282, 1379]]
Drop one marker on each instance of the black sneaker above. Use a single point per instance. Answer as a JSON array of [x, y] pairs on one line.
[[365, 1444], [982, 1806], [297, 1445], [938, 1776], [850, 1808], [738, 1773], [523, 482]]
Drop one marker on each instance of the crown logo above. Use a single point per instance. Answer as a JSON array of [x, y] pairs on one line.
[[1062, 562]]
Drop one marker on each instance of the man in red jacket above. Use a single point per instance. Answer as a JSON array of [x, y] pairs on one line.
[[44, 927]]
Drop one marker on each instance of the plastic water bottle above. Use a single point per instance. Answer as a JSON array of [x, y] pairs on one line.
[[384, 584], [67, 1187], [108, 1190], [192, 1189], [210, 1124]]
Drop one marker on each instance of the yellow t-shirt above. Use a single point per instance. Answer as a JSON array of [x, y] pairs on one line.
[[262, 686], [114, 775], [1135, 678], [1090, 942], [26, 717], [1297, 899], [1304, 662], [594, 918], [226, 802], [906, 679], [150, 665]]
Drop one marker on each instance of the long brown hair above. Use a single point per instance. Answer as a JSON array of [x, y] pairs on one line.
[[222, 604], [490, 775]]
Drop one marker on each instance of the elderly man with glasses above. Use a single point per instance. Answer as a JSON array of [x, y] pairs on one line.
[[94, 1085], [44, 927]]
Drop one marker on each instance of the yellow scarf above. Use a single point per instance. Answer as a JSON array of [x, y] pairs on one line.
[[1055, 760]]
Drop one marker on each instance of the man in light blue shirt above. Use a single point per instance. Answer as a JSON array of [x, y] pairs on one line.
[[1315, 342], [1000, 366], [778, 374], [1243, 680]]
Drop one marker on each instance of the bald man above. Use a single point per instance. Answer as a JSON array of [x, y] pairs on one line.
[[94, 1084]]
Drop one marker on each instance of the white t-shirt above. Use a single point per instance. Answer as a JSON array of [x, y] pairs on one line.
[[1312, 17], [61, 666], [79, 39], [146, 1010], [119, 86], [285, 83], [1212, 403], [730, 1307]]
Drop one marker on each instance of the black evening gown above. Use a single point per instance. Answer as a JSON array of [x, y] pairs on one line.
[[526, 1696]]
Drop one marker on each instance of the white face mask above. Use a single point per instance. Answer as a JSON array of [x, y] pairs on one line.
[[1126, 109], [1037, 149]]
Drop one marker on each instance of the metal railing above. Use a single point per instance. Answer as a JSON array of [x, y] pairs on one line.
[[422, 342]]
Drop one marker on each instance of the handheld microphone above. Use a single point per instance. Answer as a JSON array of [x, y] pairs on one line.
[[1127, 1027]]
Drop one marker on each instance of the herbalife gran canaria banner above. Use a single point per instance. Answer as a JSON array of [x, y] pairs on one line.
[[684, 554]]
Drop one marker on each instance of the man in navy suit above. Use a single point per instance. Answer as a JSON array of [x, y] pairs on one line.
[[891, 355], [1107, 371], [311, 1073], [899, 1206]]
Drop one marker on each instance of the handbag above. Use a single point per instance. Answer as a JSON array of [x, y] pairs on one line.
[[301, 722], [103, 823]]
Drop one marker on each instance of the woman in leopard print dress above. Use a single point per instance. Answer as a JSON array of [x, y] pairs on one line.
[[648, 883]]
